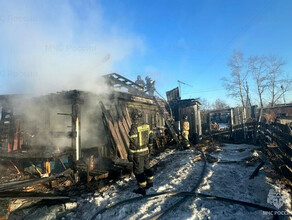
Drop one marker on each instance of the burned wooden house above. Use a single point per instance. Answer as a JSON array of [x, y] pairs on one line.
[[75, 130], [185, 107]]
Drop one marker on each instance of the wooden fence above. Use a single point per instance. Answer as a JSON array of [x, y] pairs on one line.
[[275, 138]]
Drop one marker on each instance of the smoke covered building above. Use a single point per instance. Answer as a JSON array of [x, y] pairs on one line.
[[83, 126]]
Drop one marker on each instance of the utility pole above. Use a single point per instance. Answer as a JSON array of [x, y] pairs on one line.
[[179, 85]]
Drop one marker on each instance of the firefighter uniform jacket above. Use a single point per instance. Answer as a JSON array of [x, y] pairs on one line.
[[185, 133], [186, 126], [140, 137]]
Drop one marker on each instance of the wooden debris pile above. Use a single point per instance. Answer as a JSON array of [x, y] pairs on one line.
[[118, 127]]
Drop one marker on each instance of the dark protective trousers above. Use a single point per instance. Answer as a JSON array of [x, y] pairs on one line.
[[142, 170]]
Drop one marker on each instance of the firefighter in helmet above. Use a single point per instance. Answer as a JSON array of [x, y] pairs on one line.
[[185, 132], [141, 139], [141, 83]]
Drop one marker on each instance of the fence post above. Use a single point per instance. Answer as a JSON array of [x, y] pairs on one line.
[[231, 122], [244, 121], [257, 126], [209, 122]]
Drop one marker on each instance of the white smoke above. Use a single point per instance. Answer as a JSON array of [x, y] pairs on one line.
[[48, 46]]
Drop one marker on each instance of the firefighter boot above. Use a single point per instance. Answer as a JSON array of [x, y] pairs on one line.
[[141, 191], [149, 185], [149, 178]]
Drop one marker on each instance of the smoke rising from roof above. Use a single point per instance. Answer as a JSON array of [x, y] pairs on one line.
[[48, 46]]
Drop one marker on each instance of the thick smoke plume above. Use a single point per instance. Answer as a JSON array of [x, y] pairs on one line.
[[48, 46]]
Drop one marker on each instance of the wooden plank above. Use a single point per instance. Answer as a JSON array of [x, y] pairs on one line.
[[126, 115], [125, 126], [284, 146], [279, 160], [113, 128], [123, 119], [116, 139], [286, 137], [256, 171], [284, 127], [121, 146], [19, 184], [280, 165], [109, 136], [124, 136], [140, 99], [215, 133], [284, 157], [287, 172], [257, 126], [124, 130], [31, 195]]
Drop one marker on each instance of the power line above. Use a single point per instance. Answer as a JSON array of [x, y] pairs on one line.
[[252, 86], [201, 91]]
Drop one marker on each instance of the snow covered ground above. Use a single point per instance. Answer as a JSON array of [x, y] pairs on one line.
[[227, 176]]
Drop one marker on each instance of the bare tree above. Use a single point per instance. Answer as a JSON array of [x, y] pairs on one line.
[[205, 105], [220, 104], [258, 67], [246, 90], [277, 84], [235, 84]]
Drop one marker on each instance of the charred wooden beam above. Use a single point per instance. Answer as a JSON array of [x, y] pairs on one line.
[[31, 195], [33, 155], [113, 127], [19, 184], [123, 129], [118, 81], [36, 169], [256, 171]]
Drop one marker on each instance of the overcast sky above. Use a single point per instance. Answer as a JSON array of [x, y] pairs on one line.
[[57, 45]]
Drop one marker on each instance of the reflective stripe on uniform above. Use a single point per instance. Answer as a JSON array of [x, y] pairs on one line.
[[134, 136], [186, 126], [143, 184], [139, 150], [141, 129], [150, 179]]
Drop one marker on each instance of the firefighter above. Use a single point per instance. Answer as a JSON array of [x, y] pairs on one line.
[[185, 132], [140, 141], [141, 83], [150, 85]]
